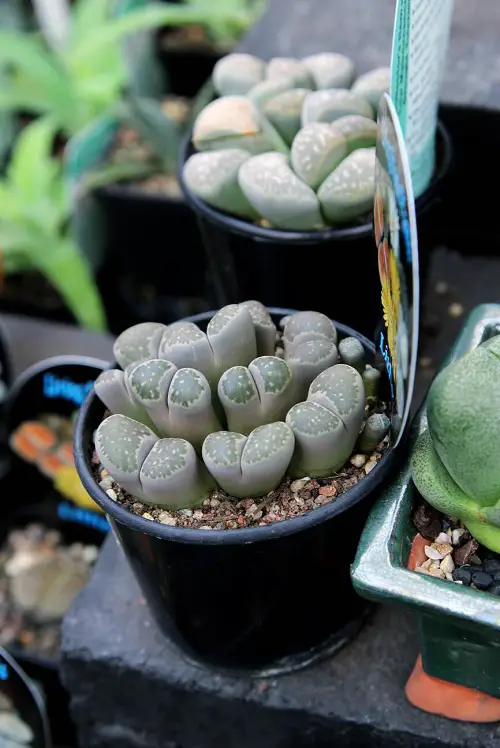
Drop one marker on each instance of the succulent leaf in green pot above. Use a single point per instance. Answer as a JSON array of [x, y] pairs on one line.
[[280, 167], [223, 442], [431, 541]]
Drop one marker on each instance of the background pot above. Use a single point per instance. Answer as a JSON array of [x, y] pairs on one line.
[[459, 628], [26, 699], [260, 600], [333, 271]]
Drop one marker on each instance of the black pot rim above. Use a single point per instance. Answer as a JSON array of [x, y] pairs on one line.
[[39, 366], [281, 236], [223, 537]]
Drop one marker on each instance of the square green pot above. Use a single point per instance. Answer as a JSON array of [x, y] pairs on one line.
[[459, 627]]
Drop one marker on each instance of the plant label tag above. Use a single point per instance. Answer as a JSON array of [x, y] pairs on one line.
[[397, 251], [40, 414], [420, 43]]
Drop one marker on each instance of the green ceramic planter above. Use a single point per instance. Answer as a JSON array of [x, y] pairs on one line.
[[459, 627]]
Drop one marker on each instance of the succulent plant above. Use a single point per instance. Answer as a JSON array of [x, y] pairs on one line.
[[288, 143], [374, 431], [455, 460], [166, 442]]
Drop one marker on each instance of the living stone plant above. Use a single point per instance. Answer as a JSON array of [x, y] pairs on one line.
[[454, 463], [289, 143], [191, 410]]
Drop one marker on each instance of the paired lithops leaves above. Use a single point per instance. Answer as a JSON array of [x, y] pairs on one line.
[[360, 132], [236, 74], [371, 380], [268, 89], [302, 327], [316, 151], [278, 195], [256, 395], [349, 191], [249, 465], [330, 70], [327, 424], [372, 85], [284, 112], [111, 388], [288, 67], [307, 360], [165, 472], [234, 122], [138, 343], [375, 430], [213, 176], [330, 105]]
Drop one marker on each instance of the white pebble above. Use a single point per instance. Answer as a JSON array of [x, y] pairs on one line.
[[214, 503], [106, 483], [186, 512], [297, 485], [435, 572], [167, 519], [206, 527], [90, 553], [447, 564], [112, 494], [198, 514], [456, 535], [358, 460], [147, 515], [442, 538], [432, 553], [369, 466]]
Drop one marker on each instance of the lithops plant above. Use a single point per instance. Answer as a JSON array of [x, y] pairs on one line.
[[193, 410], [288, 144], [372, 85], [454, 462]]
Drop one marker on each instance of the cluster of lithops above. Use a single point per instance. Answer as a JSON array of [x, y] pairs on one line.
[[193, 409], [455, 462], [289, 143]]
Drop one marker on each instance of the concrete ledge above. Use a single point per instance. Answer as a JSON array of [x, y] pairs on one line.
[[130, 688]]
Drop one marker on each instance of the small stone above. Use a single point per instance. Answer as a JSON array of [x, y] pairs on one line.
[[457, 581], [449, 576], [298, 485], [186, 512], [443, 548], [495, 588], [214, 503], [435, 571], [432, 553], [422, 569], [358, 460], [447, 565], [198, 514], [147, 515], [327, 491], [206, 527], [455, 310], [427, 563], [137, 507], [481, 580], [427, 521], [464, 554], [104, 473], [167, 519], [112, 494], [369, 466], [106, 483], [443, 537], [90, 554], [463, 575], [456, 535], [492, 566], [442, 288], [476, 560]]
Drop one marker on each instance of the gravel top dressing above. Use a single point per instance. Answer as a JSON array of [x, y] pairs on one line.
[[444, 549]]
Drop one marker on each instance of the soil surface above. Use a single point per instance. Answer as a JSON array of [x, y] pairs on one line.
[[443, 548], [186, 39]]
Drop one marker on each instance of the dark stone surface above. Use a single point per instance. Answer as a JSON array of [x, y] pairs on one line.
[[131, 687], [362, 29]]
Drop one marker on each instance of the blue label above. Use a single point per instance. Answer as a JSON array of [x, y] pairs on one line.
[[4, 672], [400, 193], [81, 516], [66, 389], [384, 349]]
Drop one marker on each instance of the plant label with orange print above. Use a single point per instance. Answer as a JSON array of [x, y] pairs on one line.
[[397, 255]]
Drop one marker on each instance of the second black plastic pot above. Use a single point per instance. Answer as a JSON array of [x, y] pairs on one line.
[[334, 271], [260, 600]]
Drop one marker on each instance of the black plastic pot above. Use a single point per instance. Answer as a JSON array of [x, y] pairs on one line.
[[26, 698], [156, 263], [187, 68], [44, 670], [333, 271], [260, 600]]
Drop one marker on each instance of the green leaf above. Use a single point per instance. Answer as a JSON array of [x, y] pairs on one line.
[[27, 54], [113, 173], [11, 205], [32, 169], [68, 272], [86, 16], [162, 133]]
